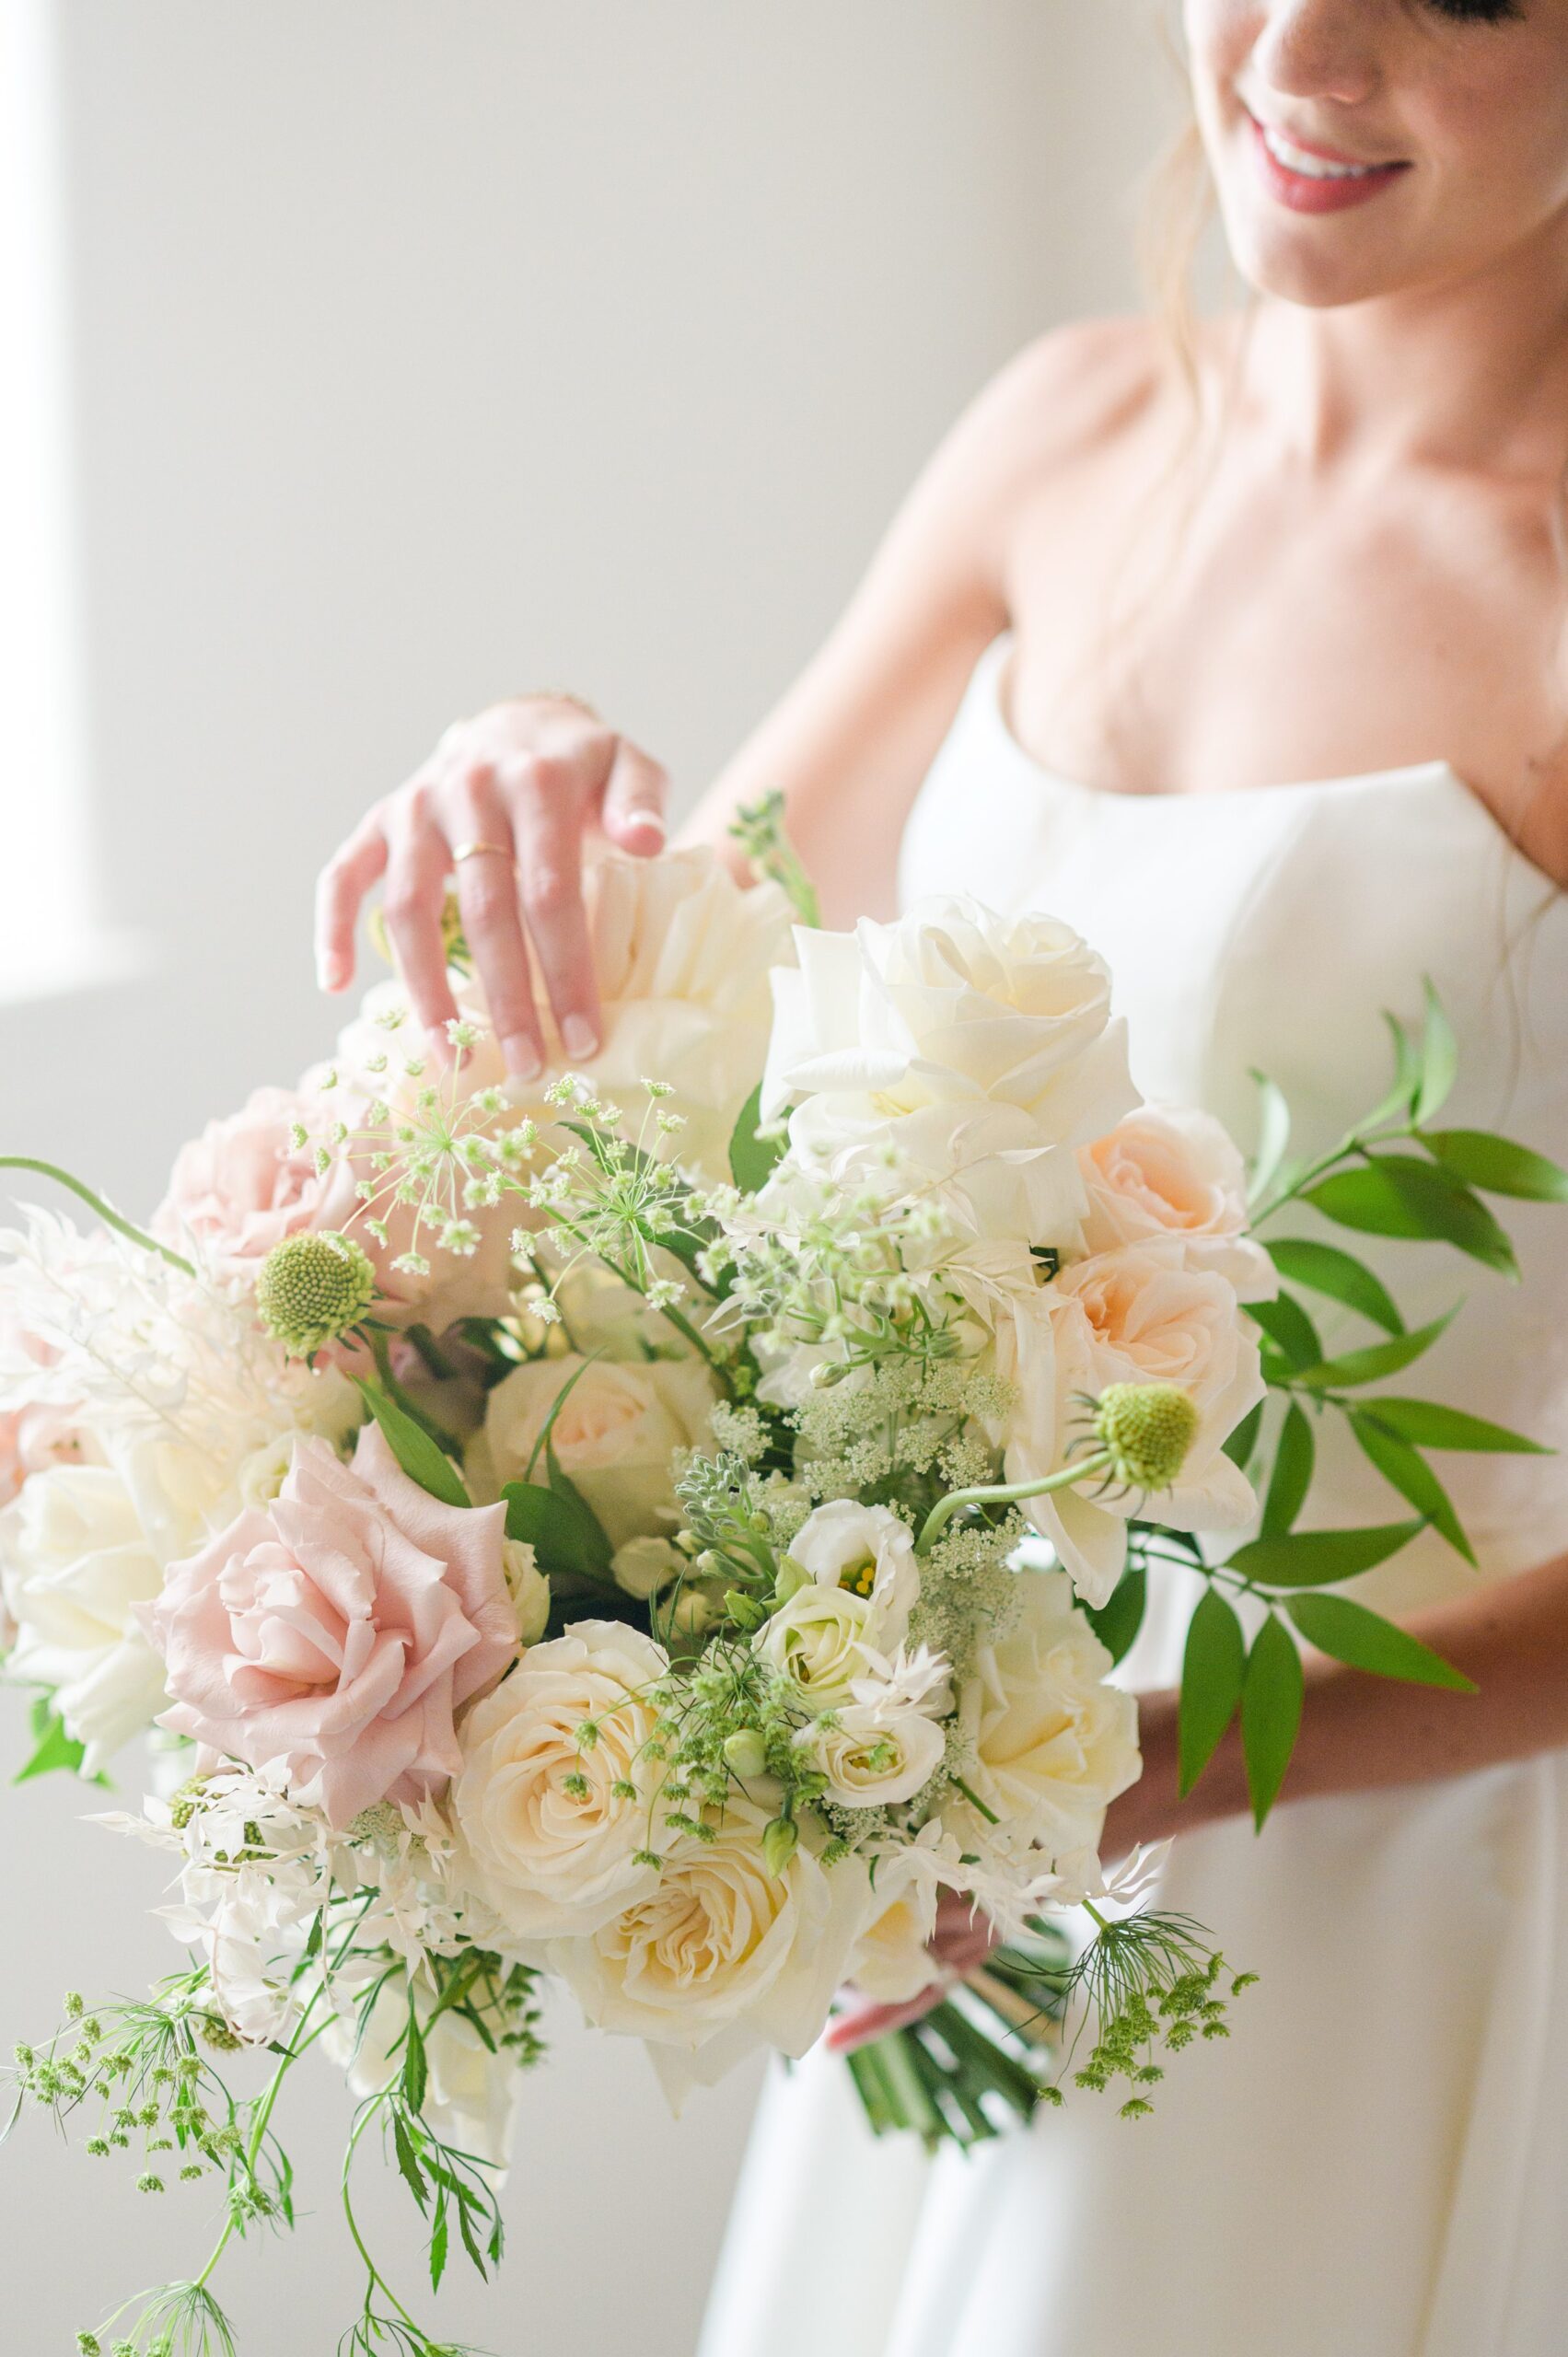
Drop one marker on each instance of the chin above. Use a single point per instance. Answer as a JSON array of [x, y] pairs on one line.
[[1305, 270]]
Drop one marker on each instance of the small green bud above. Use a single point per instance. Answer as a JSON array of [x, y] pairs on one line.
[[313, 1288], [780, 1840], [1148, 1429], [90, 2345], [746, 1752]]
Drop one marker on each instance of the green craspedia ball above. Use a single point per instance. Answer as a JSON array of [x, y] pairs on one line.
[[313, 1288], [1148, 1428]]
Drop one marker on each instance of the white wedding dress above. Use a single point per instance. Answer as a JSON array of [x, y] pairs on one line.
[[1375, 2165]]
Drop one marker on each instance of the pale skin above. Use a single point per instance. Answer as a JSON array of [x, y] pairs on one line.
[[1366, 571]]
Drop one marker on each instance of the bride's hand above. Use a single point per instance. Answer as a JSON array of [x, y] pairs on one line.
[[962, 1939], [505, 801]]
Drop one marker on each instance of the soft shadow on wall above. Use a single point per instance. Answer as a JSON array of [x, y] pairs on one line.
[[417, 354]]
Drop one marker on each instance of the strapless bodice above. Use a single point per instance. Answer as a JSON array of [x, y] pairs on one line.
[[1268, 931]]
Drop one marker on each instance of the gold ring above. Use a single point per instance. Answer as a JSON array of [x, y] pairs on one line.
[[472, 850]]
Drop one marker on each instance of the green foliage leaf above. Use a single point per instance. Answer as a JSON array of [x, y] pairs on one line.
[[1212, 1670], [1401, 1098], [1399, 1194], [53, 1748], [402, 2144], [753, 1160], [1273, 1136], [1497, 1165], [414, 1448], [1427, 1424], [1439, 1060], [1365, 1641], [566, 1535], [1290, 1330], [1378, 1361], [1117, 1622], [416, 2070], [1321, 1558], [1272, 1698], [1244, 1439], [1324, 1269], [1412, 1475], [1291, 1477], [439, 2235]]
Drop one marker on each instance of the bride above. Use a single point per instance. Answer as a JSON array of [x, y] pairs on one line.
[[1157, 577]]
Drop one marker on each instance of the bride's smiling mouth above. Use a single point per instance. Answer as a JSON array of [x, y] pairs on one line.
[[1306, 177]]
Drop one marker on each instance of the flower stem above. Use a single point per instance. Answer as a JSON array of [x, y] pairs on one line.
[[264, 2109], [1007, 1494], [95, 1203], [378, 2282]]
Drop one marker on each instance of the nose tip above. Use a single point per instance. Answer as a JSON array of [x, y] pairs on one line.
[[1319, 49]]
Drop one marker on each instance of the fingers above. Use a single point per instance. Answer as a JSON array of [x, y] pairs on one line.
[[632, 813], [340, 890], [487, 895], [868, 2022], [547, 829], [415, 893]]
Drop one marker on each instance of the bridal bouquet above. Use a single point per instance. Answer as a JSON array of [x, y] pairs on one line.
[[659, 1530]]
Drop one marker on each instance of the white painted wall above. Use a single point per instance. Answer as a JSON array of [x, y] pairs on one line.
[[418, 351]]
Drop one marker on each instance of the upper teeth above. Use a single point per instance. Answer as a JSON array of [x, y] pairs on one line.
[[1312, 167]]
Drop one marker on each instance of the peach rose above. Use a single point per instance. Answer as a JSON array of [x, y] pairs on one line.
[[1172, 1171], [340, 1630], [243, 1186], [1136, 1314]]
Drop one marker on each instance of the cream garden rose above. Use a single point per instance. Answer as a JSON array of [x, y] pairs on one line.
[[1052, 1745], [617, 1429], [874, 1759], [548, 1826], [722, 1954]]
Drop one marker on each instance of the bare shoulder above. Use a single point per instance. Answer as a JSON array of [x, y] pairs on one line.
[[1074, 390]]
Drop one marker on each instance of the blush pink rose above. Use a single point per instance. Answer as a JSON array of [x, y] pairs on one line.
[[243, 1186], [1172, 1171], [340, 1630]]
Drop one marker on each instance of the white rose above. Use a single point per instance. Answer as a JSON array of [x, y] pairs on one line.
[[617, 1431], [471, 2094], [951, 1006], [1135, 1315], [874, 1757], [1054, 1744], [1172, 1171], [721, 1955], [75, 1559], [546, 1835]]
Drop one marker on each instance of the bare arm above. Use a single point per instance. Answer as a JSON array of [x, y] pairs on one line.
[[1362, 1734]]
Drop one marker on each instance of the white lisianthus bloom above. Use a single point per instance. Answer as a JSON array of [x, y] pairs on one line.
[[721, 1955], [954, 1007], [863, 1582], [873, 1757], [74, 1561], [1171, 1171], [1053, 1744], [471, 2094], [1135, 1315], [618, 1428], [546, 1822]]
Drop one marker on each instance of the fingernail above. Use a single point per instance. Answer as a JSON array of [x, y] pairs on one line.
[[648, 826], [522, 1058], [578, 1036], [329, 974]]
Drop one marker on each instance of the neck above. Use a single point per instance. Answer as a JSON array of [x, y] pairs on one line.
[[1471, 373]]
